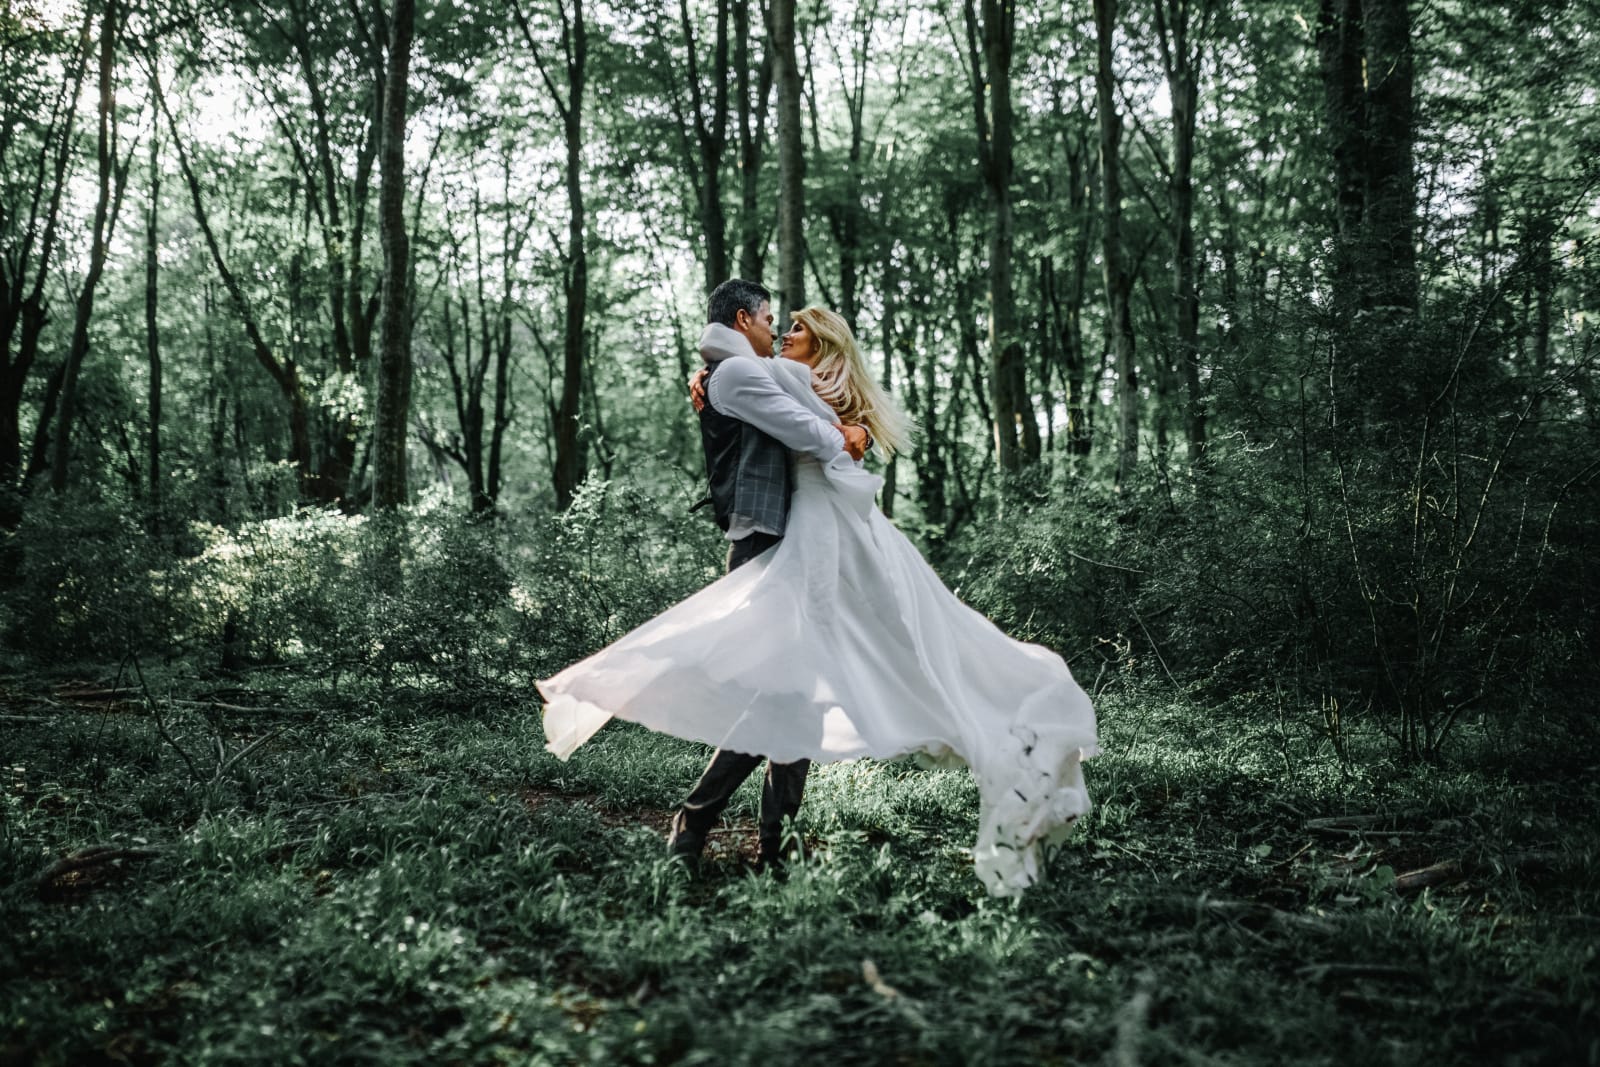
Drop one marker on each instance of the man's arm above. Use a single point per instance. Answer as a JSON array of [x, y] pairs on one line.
[[749, 393]]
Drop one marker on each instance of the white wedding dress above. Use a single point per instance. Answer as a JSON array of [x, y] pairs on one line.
[[841, 642]]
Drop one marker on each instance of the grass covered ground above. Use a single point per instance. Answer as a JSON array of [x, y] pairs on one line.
[[418, 882]]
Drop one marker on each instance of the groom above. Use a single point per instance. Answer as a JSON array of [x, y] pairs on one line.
[[748, 426]]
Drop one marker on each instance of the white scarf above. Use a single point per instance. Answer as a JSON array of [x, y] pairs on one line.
[[721, 342]]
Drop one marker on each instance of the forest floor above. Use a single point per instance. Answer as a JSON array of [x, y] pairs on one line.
[[367, 879]]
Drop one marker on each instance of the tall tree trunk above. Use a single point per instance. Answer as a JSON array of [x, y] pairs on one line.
[[1365, 58], [1391, 194], [393, 406], [466, 391], [791, 162], [1183, 88], [106, 153], [1066, 312], [152, 335], [502, 350], [362, 314], [1005, 339], [1340, 57], [752, 140], [891, 306], [1118, 284], [570, 461], [990, 52]]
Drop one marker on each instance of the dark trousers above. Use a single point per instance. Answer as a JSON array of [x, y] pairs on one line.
[[782, 790]]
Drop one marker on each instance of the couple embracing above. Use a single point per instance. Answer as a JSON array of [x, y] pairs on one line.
[[830, 637]]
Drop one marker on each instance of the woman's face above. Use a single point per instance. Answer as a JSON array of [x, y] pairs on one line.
[[799, 344]]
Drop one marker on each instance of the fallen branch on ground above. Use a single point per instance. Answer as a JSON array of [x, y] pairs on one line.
[[1452, 870], [1355, 822], [89, 858], [1316, 972], [226, 762], [241, 709]]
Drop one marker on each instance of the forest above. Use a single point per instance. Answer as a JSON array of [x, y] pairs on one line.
[[1250, 351]]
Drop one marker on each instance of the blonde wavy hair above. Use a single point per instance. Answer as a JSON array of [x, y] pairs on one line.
[[841, 378]]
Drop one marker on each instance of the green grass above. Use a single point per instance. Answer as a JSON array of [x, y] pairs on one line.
[[418, 882]]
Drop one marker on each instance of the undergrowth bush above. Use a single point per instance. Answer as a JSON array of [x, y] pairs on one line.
[[617, 557], [1412, 568], [432, 598], [89, 581]]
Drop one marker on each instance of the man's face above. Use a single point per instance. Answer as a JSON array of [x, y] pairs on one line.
[[757, 328]]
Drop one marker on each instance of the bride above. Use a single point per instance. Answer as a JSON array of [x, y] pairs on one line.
[[841, 642]]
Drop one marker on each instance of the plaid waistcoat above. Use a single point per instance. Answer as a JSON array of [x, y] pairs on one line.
[[747, 470]]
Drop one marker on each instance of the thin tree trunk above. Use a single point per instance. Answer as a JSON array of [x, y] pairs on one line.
[[1182, 69], [106, 154], [1068, 313], [502, 355], [1540, 229], [846, 217], [1048, 339], [932, 468], [468, 455], [333, 236], [710, 139], [891, 306], [791, 162], [990, 50], [477, 369], [1013, 404], [502, 417], [570, 461], [1117, 283], [752, 140], [971, 357], [393, 408], [152, 335]]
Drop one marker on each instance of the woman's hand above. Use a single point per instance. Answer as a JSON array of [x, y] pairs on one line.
[[697, 389], [856, 440]]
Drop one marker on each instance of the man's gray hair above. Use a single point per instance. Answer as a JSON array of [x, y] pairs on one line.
[[733, 296]]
